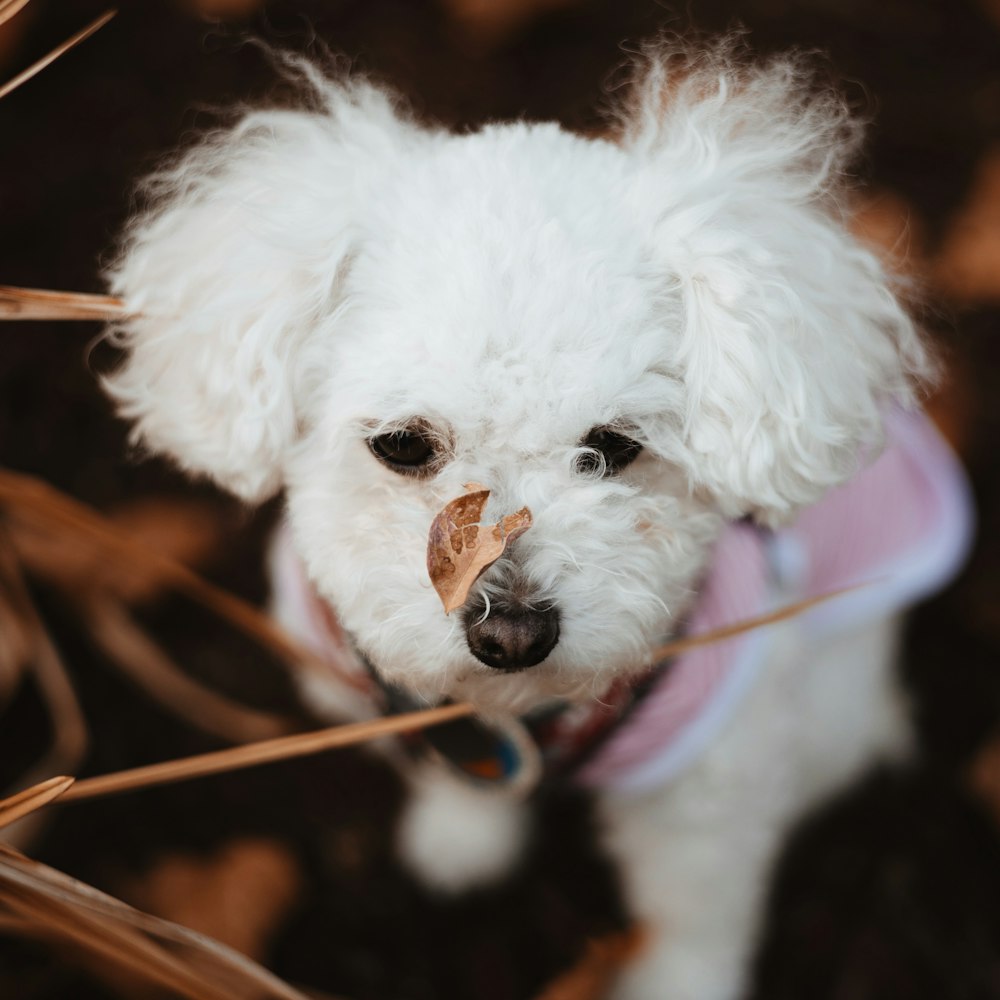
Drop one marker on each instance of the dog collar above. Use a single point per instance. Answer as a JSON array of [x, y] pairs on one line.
[[504, 752]]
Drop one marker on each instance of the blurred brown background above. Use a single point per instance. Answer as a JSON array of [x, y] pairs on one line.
[[894, 892]]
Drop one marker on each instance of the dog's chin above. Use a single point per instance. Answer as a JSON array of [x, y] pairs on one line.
[[516, 692]]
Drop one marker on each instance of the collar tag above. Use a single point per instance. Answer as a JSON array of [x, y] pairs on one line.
[[497, 753]]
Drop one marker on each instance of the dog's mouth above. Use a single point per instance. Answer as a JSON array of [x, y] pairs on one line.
[[490, 687]]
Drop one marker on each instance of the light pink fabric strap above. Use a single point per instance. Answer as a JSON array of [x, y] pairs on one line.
[[902, 526]]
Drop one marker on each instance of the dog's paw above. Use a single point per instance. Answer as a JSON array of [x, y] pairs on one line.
[[455, 836], [681, 974]]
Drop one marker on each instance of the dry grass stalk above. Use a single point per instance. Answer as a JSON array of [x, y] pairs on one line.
[[51, 677], [8, 8], [236, 898], [68, 724], [16, 806], [101, 590], [135, 654], [265, 752], [189, 533], [781, 614], [27, 651], [32, 505], [116, 938], [70, 43], [15, 650], [38, 303], [98, 566], [304, 744], [121, 946]]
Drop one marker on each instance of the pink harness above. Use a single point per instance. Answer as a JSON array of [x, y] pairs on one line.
[[902, 526]]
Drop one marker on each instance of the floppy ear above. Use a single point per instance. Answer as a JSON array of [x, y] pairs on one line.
[[232, 276], [785, 332]]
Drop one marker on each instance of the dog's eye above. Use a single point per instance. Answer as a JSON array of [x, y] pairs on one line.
[[408, 451], [616, 449]]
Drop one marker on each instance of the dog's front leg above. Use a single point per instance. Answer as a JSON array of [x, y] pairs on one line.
[[696, 887], [696, 854]]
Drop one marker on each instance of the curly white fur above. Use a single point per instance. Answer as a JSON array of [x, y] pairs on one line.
[[308, 278]]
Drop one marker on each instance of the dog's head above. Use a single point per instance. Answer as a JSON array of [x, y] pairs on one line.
[[637, 339]]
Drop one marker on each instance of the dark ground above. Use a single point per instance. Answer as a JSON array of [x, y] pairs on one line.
[[892, 894]]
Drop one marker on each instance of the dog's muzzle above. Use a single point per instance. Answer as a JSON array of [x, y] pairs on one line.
[[510, 638]]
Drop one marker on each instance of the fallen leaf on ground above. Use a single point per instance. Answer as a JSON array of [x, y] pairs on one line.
[[967, 267], [239, 895], [984, 776], [893, 227], [592, 976], [491, 22]]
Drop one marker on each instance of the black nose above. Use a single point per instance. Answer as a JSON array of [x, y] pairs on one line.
[[510, 638]]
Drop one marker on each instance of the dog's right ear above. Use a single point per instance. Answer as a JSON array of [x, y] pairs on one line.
[[232, 276], [786, 333]]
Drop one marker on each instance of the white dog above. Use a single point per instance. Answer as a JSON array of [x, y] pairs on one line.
[[667, 346]]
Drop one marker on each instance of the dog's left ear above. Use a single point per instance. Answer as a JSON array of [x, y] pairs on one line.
[[234, 277], [784, 331]]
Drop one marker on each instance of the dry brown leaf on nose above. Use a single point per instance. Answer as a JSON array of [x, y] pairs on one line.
[[460, 548]]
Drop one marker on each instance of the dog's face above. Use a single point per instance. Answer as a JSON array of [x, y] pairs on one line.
[[636, 340], [494, 333]]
